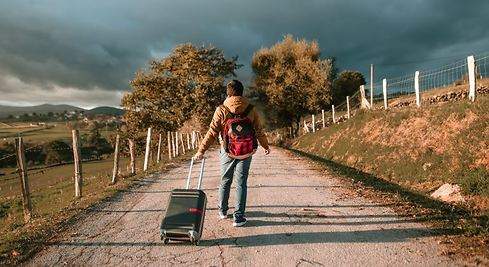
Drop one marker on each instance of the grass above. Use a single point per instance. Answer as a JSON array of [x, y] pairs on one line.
[[41, 134], [418, 148]]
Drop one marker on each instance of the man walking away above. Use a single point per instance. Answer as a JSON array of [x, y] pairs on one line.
[[238, 124]]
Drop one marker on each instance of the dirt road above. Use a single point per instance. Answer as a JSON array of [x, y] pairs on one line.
[[297, 216]]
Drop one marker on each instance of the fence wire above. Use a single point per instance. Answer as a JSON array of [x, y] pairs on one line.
[[452, 74]]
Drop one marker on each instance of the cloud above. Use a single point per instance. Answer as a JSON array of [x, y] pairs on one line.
[[90, 44]]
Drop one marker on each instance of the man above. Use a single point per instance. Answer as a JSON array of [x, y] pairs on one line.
[[235, 106]]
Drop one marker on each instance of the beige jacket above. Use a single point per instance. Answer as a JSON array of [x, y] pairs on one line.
[[236, 104]]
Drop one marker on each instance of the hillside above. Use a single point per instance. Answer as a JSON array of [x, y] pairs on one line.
[[5, 111], [105, 111], [39, 109], [417, 148]]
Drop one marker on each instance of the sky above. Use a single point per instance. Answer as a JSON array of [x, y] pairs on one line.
[[86, 52]]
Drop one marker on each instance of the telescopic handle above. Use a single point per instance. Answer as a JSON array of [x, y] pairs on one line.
[[200, 175]]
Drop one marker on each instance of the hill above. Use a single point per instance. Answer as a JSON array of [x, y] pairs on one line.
[[105, 111], [418, 148], [5, 111], [39, 109]]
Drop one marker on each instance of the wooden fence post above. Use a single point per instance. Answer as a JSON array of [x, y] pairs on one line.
[[384, 91], [313, 124], [332, 110], [348, 107], [324, 122], [169, 144], [306, 128], [188, 141], [416, 88], [158, 156], [176, 144], [115, 171], [472, 80], [364, 104], [183, 143], [132, 152], [24, 180], [148, 148], [173, 144], [77, 161]]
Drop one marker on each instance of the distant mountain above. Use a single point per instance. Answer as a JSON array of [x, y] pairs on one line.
[[105, 111], [5, 111]]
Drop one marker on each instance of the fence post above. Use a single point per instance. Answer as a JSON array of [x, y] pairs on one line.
[[313, 124], [371, 85], [158, 156], [188, 141], [472, 80], [169, 144], [177, 146], [322, 116], [332, 110], [384, 91], [416, 88], [24, 180], [306, 129], [148, 148], [363, 99], [348, 107], [183, 143], [174, 153], [132, 152], [115, 171], [77, 161]]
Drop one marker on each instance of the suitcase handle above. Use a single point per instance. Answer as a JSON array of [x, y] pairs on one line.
[[200, 175]]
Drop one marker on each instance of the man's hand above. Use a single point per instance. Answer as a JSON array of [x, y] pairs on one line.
[[267, 151], [198, 156]]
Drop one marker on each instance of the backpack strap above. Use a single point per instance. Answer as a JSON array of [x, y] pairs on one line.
[[247, 110]]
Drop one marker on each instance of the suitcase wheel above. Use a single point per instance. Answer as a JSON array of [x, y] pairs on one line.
[[166, 241]]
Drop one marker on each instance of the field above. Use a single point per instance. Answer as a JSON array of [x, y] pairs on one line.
[[38, 134]]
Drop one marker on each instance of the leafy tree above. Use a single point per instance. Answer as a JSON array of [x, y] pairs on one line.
[[292, 80], [57, 152], [189, 81], [347, 84], [95, 145]]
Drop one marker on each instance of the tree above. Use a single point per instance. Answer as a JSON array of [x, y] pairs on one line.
[[347, 84], [189, 81], [292, 80], [57, 152]]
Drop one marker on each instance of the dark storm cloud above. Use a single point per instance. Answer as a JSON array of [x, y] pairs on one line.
[[91, 45]]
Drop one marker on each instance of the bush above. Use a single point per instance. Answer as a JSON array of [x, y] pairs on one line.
[[56, 152]]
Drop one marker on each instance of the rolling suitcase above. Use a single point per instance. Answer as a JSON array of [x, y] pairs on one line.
[[184, 218]]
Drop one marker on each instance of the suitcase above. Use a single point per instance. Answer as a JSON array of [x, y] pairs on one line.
[[185, 213]]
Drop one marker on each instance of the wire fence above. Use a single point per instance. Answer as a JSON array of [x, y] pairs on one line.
[[51, 181], [449, 75], [429, 82]]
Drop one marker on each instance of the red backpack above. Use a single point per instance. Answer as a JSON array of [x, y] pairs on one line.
[[238, 134]]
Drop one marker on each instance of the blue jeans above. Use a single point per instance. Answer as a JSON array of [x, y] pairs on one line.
[[238, 169]]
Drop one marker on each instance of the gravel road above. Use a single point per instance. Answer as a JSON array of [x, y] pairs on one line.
[[298, 216]]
